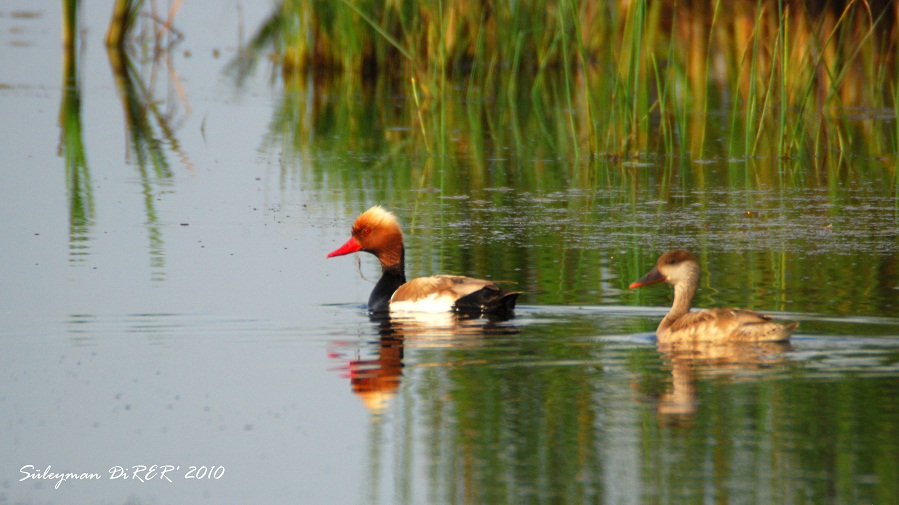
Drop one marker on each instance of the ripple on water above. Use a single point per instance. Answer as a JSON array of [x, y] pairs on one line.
[[833, 357]]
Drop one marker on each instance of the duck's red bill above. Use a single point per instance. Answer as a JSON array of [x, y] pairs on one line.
[[351, 246], [651, 277]]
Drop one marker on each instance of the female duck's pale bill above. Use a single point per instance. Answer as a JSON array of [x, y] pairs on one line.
[[681, 269], [377, 231]]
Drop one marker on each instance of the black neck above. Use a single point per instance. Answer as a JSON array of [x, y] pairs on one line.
[[392, 278]]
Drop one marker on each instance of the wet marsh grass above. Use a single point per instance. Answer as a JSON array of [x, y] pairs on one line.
[[625, 80], [647, 113], [124, 16]]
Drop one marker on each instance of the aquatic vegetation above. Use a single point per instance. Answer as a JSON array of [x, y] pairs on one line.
[[125, 15], [629, 78]]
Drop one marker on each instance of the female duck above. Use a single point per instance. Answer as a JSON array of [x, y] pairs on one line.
[[377, 231], [681, 269]]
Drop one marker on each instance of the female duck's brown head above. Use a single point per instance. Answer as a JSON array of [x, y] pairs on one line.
[[674, 267]]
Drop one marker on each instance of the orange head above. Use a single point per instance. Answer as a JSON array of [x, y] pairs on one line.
[[376, 231]]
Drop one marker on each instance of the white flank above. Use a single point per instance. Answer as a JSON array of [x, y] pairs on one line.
[[433, 303]]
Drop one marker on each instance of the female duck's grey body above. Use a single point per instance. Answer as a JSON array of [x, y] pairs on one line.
[[681, 269]]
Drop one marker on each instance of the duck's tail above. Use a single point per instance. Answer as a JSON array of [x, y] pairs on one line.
[[488, 300]]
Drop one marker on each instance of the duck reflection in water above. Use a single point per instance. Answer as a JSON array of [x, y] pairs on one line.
[[687, 360], [377, 380]]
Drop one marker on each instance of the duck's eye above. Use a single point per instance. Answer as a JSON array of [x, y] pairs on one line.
[[672, 261], [366, 230]]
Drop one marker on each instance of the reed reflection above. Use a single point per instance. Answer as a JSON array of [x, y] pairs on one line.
[[487, 408], [151, 131], [71, 143]]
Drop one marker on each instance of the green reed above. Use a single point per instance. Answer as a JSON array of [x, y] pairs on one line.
[[778, 71], [664, 123], [633, 91], [895, 149], [124, 15]]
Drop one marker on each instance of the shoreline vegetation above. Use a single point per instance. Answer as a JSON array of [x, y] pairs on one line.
[[632, 77], [803, 82]]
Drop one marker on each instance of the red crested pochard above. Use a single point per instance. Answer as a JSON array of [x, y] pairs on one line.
[[377, 231], [681, 269]]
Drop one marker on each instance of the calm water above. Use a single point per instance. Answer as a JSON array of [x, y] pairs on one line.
[[166, 300]]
